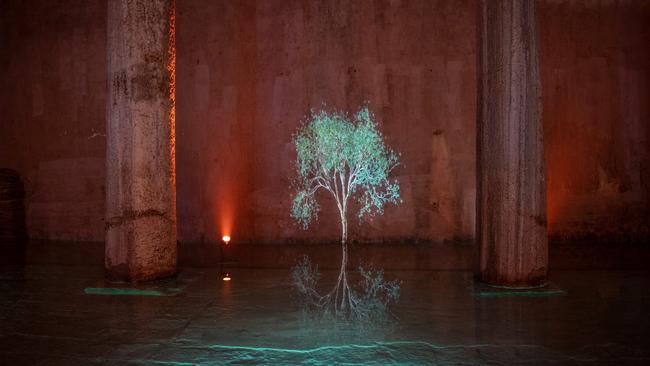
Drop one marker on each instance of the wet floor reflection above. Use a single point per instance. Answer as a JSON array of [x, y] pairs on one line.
[[46, 317]]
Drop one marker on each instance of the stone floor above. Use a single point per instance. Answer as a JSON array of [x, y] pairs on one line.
[[62, 314]]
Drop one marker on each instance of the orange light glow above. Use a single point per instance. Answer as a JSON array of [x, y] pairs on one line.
[[171, 70], [226, 239], [226, 277]]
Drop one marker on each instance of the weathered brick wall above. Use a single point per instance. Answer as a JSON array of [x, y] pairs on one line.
[[247, 72], [596, 73], [413, 63], [52, 112]]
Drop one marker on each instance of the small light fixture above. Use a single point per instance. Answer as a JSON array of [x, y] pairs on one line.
[[226, 276], [225, 240]]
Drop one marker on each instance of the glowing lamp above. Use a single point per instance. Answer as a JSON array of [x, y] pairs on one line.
[[224, 275]]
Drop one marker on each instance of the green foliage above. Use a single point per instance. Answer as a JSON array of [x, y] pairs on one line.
[[346, 156]]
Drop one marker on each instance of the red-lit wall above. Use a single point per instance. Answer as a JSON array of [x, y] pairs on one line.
[[596, 74], [52, 112], [248, 74], [248, 71]]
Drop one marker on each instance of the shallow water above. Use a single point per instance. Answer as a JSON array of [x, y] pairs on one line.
[[48, 317]]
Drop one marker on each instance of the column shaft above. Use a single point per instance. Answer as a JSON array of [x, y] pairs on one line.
[[140, 161], [511, 202]]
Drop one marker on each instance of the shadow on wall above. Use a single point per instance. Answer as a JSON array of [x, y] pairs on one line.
[[12, 208]]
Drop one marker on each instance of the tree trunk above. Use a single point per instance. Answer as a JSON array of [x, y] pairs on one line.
[[342, 300], [140, 164], [511, 202], [344, 279]]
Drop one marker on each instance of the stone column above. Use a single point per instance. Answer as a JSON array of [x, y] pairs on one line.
[[140, 161], [511, 202]]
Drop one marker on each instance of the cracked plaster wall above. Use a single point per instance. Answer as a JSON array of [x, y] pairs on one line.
[[247, 72]]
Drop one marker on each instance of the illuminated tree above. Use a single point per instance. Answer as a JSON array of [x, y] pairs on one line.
[[345, 156]]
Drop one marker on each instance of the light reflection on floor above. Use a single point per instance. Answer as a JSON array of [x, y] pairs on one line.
[[48, 318]]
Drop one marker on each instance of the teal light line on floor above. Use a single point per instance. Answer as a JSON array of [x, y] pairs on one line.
[[528, 293], [122, 291], [343, 347]]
